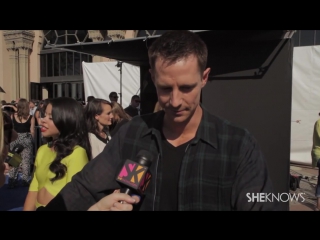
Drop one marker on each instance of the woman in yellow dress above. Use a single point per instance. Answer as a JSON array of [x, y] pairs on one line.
[[65, 155]]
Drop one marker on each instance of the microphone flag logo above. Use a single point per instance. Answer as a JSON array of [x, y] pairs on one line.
[[132, 174]]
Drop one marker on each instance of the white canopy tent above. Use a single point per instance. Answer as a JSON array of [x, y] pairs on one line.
[[101, 78]]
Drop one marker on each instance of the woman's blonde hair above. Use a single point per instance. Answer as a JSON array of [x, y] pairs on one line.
[[118, 110]]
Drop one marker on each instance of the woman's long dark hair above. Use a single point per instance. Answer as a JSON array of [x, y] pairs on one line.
[[67, 116], [93, 108]]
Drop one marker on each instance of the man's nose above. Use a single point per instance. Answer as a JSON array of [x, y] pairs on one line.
[[175, 99]]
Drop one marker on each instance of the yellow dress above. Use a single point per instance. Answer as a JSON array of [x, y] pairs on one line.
[[42, 175]]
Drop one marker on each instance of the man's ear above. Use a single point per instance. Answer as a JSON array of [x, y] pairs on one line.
[[205, 76]]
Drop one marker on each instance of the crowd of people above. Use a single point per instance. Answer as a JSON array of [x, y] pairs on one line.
[[70, 135], [199, 161]]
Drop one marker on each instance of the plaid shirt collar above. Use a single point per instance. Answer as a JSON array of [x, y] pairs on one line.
[[206, 132]]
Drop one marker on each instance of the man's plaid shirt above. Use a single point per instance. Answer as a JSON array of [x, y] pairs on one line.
[[221, 166]]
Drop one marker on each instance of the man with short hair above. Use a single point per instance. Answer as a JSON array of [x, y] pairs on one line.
[[90, 98], [200, 161], [133, 109], [113, 96]]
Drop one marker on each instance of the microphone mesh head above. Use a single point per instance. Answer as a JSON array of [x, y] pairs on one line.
[[144, 158]]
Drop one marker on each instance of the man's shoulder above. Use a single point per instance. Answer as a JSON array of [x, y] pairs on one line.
[[150, 117], [223, 132], [223, 126], [129, 108], [145, 122], [140, 123]]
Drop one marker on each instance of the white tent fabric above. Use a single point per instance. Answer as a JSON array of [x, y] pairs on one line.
[[101, 78], [305, 101]]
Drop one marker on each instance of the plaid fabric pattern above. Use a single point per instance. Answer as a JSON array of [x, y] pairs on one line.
[[220, 167]]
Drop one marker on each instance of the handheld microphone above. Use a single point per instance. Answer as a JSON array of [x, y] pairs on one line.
[[134, 175], [13, 158]]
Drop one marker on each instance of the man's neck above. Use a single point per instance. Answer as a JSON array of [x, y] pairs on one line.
[[179, 133]]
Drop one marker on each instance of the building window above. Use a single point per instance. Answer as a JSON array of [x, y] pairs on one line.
[[69, 89], [60, 63]]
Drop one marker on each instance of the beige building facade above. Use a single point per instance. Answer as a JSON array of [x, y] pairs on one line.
[[29, 70]]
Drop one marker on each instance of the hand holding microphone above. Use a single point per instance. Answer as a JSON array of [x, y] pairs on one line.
[[112, 202], [134, 179], [134, 175]]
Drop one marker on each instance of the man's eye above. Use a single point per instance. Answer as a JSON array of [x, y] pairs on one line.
[[186, 89], [165, 89]]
